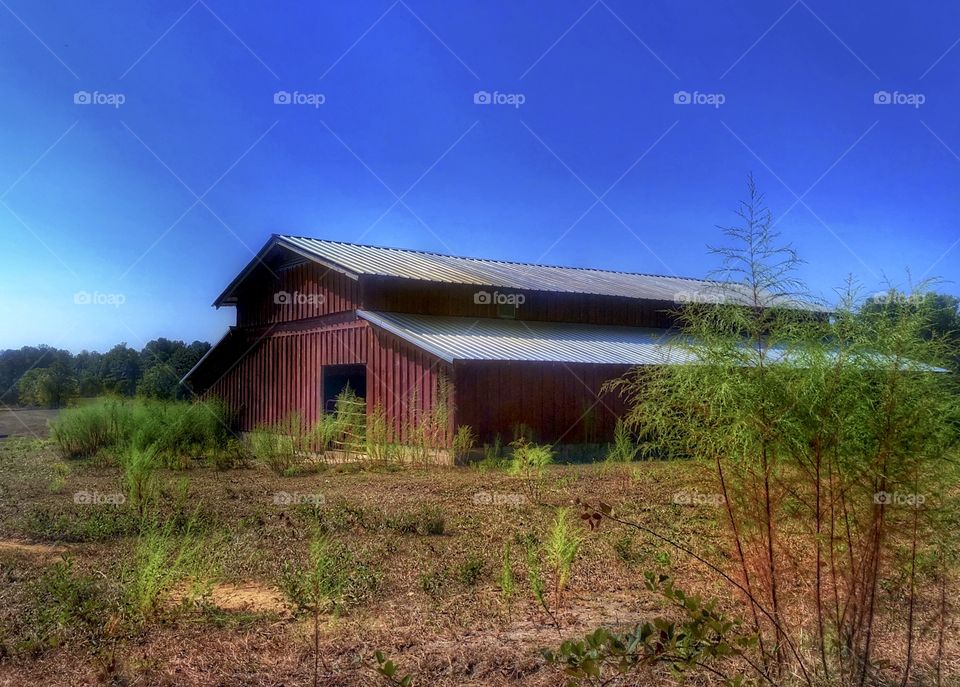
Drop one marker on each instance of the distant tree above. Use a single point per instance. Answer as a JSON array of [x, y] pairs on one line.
[[121, 369], [50, 387], [165, 363], [159, 351], [29, 385], [14, 363], [159, 382], [43, 375], [89, 385], [942, 319]]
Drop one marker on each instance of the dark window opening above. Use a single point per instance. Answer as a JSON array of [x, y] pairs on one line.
[[336, 378], [507, 311]]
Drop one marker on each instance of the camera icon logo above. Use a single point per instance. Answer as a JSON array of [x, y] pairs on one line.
[[882, 98], [82, 298], [82, 98], [881, 498], [483, 298], [682, 98], [282, 298], [482, 98], [282, 98]]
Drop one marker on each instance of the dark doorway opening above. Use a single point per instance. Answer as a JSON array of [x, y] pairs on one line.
[[336, 378]]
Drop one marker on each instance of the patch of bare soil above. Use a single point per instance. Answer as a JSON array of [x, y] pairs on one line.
[[14, 547], [26, 422], [248, 597]]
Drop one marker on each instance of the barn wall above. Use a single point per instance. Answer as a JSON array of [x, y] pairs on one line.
[[280, 372], [304, 291], [554, 399], [426, 298], [405, 380]]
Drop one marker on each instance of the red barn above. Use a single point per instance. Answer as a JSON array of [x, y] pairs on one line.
[[513, 343]]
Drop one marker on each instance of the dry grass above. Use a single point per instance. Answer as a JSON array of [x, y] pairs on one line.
[[421, 611]]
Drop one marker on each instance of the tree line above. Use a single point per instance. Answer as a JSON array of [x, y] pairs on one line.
[[51, 377]]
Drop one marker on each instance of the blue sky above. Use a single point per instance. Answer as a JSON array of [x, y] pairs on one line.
[[151, 197]]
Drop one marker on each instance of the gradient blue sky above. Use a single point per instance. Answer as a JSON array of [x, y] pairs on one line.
[[164, 198]]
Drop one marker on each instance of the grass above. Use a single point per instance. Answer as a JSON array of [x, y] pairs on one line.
[[180, 433], [331, 580], [162, 559], [418, 569]]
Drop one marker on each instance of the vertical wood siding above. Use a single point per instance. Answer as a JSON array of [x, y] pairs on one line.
[[426, 298], [282, 373], [559, 402], [310, 289]]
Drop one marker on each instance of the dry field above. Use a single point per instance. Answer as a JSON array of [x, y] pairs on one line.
[[26, 422], [429, 545]]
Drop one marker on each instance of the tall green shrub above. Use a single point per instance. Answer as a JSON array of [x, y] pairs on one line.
[[832, 428]]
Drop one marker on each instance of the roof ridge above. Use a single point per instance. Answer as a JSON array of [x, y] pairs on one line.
[[501, 262]]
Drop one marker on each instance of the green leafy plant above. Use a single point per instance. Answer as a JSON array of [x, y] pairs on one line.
[[811, 427], [380, 446], [560, 549], [162, 559], [493, 452], [390, 671], [332, 579], [177, 432], [529, 462], [463, 443], [623, 449], [140, 477], [275, 450], [703, 638], [471, 570]]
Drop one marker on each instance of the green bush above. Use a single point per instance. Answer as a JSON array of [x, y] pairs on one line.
[[84, 431], [139, 476], [275, 450], [180, 431], [463, 442], [623, 449], [162, 559], [176, 431]]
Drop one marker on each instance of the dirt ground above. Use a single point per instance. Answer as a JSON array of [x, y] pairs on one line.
[[26, 422], [431, 542]]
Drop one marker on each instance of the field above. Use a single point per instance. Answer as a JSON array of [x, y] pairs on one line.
[[425, 549], [26, 423]]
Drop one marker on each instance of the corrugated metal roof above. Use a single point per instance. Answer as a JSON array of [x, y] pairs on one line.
[[359, 259], [467, 338], [487, 338]]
